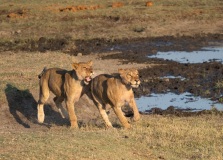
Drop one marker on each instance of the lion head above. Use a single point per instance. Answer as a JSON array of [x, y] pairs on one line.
[[130, 77], [84, 71]]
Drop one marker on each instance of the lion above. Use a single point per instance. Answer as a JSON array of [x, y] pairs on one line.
[[66, 85], [116, 90]]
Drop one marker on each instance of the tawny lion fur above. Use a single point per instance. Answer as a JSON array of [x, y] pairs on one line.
[[117, 92], [66, 85]]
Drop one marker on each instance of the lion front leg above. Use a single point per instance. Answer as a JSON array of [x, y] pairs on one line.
[[134, 107], [121, 117], [72, 115]]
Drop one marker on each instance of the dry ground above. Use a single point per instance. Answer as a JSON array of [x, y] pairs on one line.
[[153, 137], [20, 82], [35, 34]]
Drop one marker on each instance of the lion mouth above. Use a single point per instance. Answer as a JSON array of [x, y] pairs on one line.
[[135, 85], [87, 79]]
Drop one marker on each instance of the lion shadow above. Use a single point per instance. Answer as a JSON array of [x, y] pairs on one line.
[[23, 108]]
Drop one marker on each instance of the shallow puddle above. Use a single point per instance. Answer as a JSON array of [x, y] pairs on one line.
[[173, 77], [204, 55], [181, 101]]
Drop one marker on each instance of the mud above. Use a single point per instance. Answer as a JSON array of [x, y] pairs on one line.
[[181, 112], [202, 79]]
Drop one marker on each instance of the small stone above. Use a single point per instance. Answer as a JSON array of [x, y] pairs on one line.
[[79, 54], [18, 32]]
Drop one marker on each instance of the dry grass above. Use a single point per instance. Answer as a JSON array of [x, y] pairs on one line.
[[133, 20], [22, 69], [154, 137]]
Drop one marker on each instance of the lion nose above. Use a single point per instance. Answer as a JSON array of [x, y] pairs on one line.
[[137, 81]]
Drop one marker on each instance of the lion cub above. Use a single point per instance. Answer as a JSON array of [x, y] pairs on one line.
[[116, 91], [66, 85]]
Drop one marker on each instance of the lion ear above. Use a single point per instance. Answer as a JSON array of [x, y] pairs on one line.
[[123, 76], [75, 65], [121, 71], [90, 63]]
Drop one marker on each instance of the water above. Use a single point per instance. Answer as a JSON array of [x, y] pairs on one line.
[[185, 100], [181, 101], [205, 55], [173, 77]]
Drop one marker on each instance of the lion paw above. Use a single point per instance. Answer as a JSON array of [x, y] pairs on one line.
[[134, 119], [41, 118]]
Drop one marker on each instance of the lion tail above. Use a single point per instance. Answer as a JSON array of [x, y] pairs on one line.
[[43, 71]]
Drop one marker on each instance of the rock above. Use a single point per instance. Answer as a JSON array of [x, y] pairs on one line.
[[79, 54]]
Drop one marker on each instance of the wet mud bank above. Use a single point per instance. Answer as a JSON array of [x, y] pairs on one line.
[[131, 47], [201, 79]]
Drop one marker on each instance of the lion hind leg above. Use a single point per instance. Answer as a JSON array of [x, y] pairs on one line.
[[102, 110], [104, 115], [40, 115], [43, 96], [58, 101], [121, 117]]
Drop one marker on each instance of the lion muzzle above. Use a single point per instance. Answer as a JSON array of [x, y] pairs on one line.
[[87, 80], [135, 84]]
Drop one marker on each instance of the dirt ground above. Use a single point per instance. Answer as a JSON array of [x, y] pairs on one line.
[[56, 33], [188, 30], [21, 113]]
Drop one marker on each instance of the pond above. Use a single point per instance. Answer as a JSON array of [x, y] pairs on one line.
[[179, 101], [184, 101], [206, 54]]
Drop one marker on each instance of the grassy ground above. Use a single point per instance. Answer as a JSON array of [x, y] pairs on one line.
[[22, 69], [37, 19], [154, 137]]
